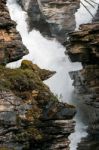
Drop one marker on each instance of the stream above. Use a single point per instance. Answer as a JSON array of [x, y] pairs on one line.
[[49, 54]]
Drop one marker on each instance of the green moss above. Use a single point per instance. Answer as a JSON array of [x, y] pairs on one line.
[[27, 134], [22, 137], [18, 79], [26, 64], [23, 82], [35, 133], [25, 79], [5, 148]]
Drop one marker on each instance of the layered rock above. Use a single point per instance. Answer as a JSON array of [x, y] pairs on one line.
[[54, 18], [11, 47], [30, 115], [84, 47]]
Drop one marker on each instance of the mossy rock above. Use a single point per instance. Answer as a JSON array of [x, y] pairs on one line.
[[25, 79], [42, 73], [18, 79], [5, 148], [36, 103]]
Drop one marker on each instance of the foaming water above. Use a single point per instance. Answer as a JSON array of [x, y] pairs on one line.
[[49, 54], [80, 128]]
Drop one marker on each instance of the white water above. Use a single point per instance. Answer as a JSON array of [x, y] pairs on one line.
[[46, 53], [49, 54]]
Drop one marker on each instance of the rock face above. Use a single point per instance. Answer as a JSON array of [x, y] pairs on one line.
[[11, 47], [54, 18], [84, 47], [30, 115]]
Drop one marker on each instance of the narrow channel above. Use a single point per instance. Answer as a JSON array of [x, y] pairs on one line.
[[49, 54]]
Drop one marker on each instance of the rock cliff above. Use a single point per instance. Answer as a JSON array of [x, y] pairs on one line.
[[31, 117], [50, 16], [84, 47], [11, 47]]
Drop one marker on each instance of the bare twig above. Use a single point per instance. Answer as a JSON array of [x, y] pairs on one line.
[[89, 3], [87, 9], [94, 2]]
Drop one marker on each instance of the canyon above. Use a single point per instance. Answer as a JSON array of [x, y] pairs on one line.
[[31, 116]]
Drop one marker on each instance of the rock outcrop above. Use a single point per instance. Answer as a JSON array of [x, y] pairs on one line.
[[84, 47], [30, 115], [53, 18], [11, 47]]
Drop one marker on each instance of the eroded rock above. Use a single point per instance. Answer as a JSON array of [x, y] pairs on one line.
[[52, 18], [11, 47], [84, 47], [31, 117]]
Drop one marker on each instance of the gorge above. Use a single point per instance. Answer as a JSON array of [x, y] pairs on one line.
[[54, 120]]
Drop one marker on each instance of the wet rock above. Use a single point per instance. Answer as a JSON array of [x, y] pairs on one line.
[[89, 143], [56, 110], [35, 18], [52, 18]]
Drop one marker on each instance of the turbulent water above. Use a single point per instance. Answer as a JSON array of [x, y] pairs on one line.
[[46, 53], [49, 54]]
